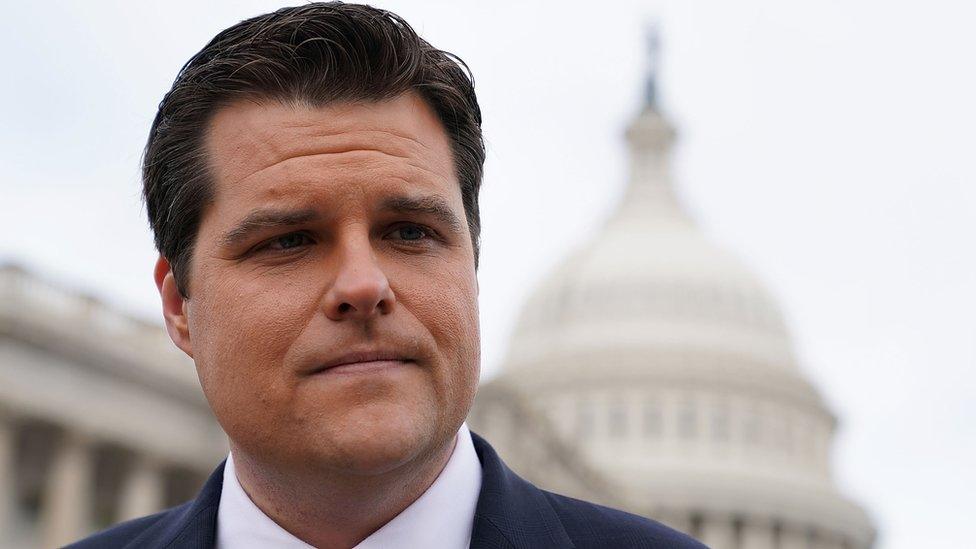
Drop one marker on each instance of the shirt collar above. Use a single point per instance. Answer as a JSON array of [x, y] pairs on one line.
[[441, 517]]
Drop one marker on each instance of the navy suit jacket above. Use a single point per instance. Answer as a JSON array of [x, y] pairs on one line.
[[511, 513]]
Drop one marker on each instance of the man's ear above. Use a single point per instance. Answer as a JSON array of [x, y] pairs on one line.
[[174, 306]]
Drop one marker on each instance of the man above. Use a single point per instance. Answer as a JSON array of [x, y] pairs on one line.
[[312, 183]]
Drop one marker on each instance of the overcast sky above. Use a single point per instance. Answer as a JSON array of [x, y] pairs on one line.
[[830, 144]]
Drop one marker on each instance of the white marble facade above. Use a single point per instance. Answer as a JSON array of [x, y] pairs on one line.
[[101, 418]]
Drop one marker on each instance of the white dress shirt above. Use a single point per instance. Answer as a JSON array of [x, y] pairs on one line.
[[442, 517]]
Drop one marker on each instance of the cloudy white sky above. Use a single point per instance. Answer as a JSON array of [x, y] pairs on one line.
[[831, 144]]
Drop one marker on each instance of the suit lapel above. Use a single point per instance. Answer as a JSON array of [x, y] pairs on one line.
[[511, 512]]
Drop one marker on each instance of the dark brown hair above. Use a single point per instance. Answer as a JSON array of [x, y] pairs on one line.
[[317, 53]]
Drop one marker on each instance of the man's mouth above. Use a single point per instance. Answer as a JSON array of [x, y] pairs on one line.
[[363, 362]]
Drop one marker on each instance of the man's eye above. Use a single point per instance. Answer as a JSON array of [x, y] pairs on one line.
[[288, 241], [410, 232]]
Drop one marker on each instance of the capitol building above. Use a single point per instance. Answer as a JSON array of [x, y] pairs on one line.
[[651, 371]]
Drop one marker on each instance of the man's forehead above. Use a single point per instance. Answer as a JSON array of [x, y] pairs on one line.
[[247, 136]]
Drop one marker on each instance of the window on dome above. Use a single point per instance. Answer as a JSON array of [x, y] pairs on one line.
[[653, 420], [778, 429], [789, 437], [688, 420], [752, 428], [618, 419], [584, 419], [721, 422]]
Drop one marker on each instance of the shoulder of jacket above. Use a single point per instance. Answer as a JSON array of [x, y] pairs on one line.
[[592, 525], [121, 534]]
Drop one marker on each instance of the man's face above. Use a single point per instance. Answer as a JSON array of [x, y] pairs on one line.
[[333, 312]]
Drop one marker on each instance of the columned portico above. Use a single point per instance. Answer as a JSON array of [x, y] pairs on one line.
[[794, 538], [101, 417], [758, 534], [678, 520], [718, 532], [142, 492], [67, 503], [7, 484]]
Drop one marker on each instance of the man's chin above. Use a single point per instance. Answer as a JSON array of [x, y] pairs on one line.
[[364, 446]]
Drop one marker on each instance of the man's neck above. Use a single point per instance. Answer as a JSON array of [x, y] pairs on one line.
[[334, 510]]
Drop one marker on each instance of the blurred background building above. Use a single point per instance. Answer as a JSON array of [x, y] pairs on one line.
[[651, 371], [101, 418]]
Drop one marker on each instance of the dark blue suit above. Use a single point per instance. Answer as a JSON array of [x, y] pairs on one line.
[[511, 513]]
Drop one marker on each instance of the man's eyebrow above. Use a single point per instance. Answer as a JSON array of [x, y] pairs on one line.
[[429, 205], [267, 218]]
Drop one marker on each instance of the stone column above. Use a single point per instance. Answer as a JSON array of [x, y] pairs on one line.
[[795, 538], [826, 541], [678, 520], [67, 503], [142, 492], [758, 534], [8, 485], [718, 532]]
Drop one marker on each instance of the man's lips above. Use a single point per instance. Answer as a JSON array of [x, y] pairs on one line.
[[362, 361]]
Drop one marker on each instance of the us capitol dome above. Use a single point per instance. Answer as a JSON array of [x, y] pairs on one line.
[[653, 371]]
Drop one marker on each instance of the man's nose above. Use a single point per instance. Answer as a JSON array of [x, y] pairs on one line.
[[361, 289]]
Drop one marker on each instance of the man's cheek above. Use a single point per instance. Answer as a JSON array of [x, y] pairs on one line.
[[457, 313]]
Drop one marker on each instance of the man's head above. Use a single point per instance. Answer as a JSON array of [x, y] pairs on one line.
[[317, 54], [312, 181]]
